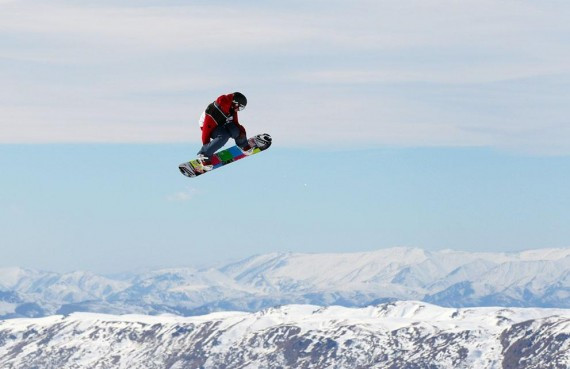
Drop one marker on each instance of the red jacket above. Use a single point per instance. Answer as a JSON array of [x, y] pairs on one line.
[[219, 112]]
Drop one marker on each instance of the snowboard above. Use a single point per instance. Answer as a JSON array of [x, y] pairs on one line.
[[259, 143]]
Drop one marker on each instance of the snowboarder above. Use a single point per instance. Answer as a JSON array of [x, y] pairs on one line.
[[218, 123]]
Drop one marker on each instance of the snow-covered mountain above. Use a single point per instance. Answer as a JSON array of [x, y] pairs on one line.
[[535, 278], [393, 335]]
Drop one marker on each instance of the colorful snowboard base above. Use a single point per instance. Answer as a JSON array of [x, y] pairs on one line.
[[259, 143]]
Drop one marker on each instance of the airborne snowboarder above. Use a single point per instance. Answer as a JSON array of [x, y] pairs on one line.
[[218, 123]]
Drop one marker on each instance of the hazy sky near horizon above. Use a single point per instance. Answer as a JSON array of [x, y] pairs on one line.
[[428, 123]]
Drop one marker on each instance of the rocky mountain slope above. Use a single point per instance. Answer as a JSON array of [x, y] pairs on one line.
[[404, 335]]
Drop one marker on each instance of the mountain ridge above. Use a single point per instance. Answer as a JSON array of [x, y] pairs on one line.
[[448, 278]]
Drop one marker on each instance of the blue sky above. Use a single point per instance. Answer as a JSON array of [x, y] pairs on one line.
[[113, 207], [436, 124]]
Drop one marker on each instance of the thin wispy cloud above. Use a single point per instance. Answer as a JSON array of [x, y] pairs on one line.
[[182, 196], [132, 30], [467, 74], [413, 73]]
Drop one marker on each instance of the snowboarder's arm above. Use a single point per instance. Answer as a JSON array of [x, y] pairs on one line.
[[241, 128]]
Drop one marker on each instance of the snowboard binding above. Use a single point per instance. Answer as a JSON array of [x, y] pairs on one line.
[[187, 170], [262, 141]]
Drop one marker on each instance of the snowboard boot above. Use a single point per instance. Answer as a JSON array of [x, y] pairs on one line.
[[205, 164]]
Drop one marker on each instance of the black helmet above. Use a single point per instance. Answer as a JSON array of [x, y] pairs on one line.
[[239, 100]]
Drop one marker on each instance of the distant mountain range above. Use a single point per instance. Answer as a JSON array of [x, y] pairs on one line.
[[535, 278], [403, 335]]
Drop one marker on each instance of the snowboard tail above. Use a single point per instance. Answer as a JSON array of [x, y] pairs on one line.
[[259, 143]]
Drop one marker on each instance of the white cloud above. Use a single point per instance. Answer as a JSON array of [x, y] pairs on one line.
[[480, 73], [359, 25], [412, 72], [185, 195], [116, 32]]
